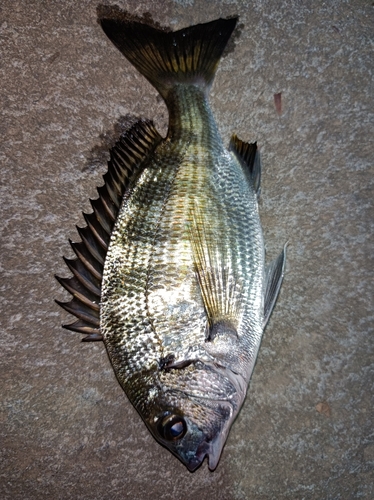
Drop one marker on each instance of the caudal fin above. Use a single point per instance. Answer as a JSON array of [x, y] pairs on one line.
[[190, 55]]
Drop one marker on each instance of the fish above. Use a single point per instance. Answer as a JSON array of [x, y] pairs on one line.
[[170, 271]]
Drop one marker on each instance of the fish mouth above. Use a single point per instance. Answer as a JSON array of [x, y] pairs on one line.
[[212, 450], [216, 451], [197, 460]]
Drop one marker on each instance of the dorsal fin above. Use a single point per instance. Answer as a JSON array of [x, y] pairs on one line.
[[126, 158], [249, 157], [221, 291]]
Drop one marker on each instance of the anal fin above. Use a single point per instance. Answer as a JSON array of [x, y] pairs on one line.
[[273, 282]]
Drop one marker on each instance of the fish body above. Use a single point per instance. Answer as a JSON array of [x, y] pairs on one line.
[[185, 293]]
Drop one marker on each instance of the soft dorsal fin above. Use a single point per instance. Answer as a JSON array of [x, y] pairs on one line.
[[221, 292], [249, 157], [126, 158], [273, 282]]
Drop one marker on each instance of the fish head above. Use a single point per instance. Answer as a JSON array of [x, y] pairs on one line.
[[194, 423], [193, 435]]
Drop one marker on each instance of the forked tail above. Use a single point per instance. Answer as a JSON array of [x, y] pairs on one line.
[[190, 55]]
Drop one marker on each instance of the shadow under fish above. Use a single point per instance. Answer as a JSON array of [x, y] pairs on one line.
[[170, 272]]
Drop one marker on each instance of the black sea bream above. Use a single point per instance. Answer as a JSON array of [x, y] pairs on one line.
[[171, 269]]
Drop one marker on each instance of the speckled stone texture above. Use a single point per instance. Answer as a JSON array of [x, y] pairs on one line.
[[306, 430]]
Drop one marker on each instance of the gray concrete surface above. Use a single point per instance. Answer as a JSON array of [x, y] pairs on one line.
[[306, 429]]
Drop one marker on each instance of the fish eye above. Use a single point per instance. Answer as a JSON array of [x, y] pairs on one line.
[[172, 427]]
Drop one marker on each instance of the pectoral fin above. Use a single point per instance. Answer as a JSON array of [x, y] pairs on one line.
[[221, 291], [274, 278]]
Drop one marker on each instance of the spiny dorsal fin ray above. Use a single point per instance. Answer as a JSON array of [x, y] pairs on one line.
[[190, 55], [83, 327], [79, 292], [127, 158], [108, 204], [90, 263], [90, 243], [81, 311], [274, 278], [249, 156], [221, 291], [100, 235], [83, 275], [112, 188]]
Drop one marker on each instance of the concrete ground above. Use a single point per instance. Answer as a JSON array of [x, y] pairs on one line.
[[306, 430]]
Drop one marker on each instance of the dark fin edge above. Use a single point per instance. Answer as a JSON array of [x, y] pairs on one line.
[[273, 281], [126, 159], [190, 55], [249, 157]]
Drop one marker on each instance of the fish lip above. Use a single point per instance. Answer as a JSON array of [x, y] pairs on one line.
[[194, 464], [217, 444], [197, 460], [216, 451], [212, 448]]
